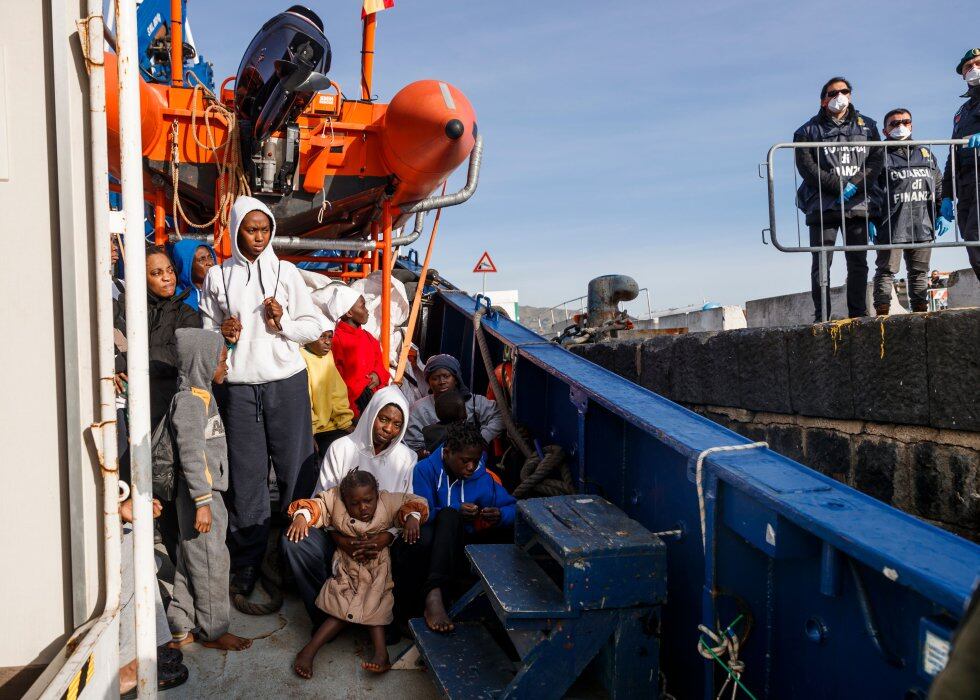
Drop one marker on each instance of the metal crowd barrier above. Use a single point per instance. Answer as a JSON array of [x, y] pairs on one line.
[[822, 250]]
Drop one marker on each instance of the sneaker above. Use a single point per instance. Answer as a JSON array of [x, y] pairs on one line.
[[243, 580]]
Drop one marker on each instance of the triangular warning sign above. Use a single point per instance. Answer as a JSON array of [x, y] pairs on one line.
[[485, 264]]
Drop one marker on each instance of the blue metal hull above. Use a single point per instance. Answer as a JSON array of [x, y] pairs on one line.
[[837, 587]]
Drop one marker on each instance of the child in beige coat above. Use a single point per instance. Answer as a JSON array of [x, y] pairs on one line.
[[360, 590]]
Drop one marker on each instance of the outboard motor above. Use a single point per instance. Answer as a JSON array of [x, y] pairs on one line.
[[283, 68]]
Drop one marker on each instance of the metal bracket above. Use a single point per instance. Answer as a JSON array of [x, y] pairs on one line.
[[490, 314], [579, 399], [764, 231]]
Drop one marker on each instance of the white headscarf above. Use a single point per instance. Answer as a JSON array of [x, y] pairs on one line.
[[338, 300]]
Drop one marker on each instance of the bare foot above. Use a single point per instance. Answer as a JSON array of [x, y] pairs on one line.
[[229, 642], [303, 666], [127, 677], [178, 643], [379, 664], [436, 616]]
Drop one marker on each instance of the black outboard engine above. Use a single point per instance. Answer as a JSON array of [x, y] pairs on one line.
[[283, 68]]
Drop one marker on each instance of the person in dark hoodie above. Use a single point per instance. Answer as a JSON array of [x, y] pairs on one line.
[[264, 311], [466, 505], [199, 608], [450, 408], [192, 260], [442, 374], [834, 174], [166, 312]]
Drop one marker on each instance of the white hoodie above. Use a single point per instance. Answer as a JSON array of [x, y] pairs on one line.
[[392, 467], [238, 287]]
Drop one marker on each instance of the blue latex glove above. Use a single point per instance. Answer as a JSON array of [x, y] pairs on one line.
[[946, 209], [974, 141], [850, 191], [872, 232], [942, 226]]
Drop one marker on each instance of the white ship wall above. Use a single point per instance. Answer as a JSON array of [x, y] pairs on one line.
[[49, 524]]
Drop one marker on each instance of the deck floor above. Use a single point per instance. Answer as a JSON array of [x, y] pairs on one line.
[[265, 670]]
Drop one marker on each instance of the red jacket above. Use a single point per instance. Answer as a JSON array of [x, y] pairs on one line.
[[357, 353]]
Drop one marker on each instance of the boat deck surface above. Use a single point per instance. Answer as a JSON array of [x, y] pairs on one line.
[[265, 670]]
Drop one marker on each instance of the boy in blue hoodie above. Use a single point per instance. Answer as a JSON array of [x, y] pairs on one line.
[[466, 504]]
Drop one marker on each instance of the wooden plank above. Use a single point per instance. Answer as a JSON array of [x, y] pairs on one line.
[[466, 663], [518, 588]]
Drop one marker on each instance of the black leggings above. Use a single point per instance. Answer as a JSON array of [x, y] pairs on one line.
[[437, 560]]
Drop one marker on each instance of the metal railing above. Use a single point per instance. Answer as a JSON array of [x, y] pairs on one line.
[[840, 216]]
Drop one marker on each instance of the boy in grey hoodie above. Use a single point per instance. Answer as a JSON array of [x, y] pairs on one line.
[[200, 605]]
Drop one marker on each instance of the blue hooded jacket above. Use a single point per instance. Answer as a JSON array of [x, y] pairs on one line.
[[432, 481], [183, 257]]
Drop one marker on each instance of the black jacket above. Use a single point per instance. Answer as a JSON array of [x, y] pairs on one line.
[[827, 171], [164, 317], [965, 123], [905, 199]]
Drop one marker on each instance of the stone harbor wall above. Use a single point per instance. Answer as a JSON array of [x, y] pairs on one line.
[[792, 309], [889, 405]]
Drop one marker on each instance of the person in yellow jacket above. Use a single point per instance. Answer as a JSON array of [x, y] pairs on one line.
[[332, 414]]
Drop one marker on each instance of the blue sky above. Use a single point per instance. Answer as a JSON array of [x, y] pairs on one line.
[[624, 137]]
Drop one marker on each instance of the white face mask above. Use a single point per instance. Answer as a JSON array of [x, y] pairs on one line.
[[972, 76], [838, 103], [900, 133]]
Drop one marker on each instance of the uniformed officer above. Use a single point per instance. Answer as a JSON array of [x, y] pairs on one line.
[[904, 206], [966, 125], [834, 174]]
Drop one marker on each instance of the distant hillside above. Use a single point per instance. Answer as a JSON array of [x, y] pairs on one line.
[[536, 318]]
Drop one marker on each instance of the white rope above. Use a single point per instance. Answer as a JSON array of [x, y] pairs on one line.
[[699, 477], [727, 644]]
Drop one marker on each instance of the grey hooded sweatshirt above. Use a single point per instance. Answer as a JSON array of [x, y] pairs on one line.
[[199, 432]]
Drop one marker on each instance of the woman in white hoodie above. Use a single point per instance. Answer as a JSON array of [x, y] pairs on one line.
[[263, 309], [375, 446]]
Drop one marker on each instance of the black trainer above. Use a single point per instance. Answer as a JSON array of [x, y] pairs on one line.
[[243, 580]]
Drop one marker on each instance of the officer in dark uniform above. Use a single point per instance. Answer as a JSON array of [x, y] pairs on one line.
[[904, 204], [966, 125], [834, 174]]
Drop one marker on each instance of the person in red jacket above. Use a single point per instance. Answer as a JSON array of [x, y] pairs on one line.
[[356, 352]]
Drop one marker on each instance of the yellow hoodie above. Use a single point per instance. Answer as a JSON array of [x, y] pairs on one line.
[[328, 394]]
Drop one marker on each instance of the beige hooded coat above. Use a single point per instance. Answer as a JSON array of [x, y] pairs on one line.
[[360, 593]]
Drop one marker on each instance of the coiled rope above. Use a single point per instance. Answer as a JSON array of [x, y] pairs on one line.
[[545, 474], [271, 582], [231, 179]]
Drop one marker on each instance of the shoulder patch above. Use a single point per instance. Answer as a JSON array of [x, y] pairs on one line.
[[214, 428], [860, 121], [925, 152]]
